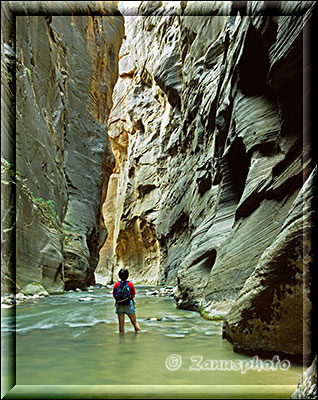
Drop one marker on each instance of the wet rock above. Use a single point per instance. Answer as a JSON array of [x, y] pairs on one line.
[[8, 301], [165, 291], [86, 299], [153, 319], [214, 52], [35, 289], [20, 297], [307, 386], [33, 292], [98, 286]]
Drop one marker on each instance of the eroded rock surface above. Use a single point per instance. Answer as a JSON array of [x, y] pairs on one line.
[[307, 386], [66, 68], [211, 157], [277, 295], [207, 130]]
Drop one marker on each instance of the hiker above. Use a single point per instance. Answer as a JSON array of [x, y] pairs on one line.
[[124, 293]]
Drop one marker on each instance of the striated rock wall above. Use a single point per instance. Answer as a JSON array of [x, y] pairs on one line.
[[281, 289], [7, 154], [65, 71], [212, 150], [307, 386], [204, 178]]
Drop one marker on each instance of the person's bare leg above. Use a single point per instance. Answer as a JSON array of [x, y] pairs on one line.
[[121, 322], [133, 320]]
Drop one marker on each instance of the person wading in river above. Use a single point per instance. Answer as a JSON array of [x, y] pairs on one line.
[[124, 293]]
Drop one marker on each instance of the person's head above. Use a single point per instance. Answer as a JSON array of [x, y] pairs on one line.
[[123, 274]]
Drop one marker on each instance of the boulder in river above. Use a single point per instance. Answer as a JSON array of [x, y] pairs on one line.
[[86, 299], [7, 301], [20, 297], [98, 286], [163, 291], [35, 288]]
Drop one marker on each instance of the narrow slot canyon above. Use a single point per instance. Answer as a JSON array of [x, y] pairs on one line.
[[170, 139]]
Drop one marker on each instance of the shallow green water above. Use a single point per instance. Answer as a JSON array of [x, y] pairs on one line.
[[63, 341]]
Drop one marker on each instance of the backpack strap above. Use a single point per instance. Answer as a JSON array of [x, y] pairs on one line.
[[118, 288], [128, 288]]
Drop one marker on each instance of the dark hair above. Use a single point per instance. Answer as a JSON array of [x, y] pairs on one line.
[[123, 274]]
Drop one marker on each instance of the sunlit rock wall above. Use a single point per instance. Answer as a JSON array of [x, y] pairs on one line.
[[66, 68], [212, 152]]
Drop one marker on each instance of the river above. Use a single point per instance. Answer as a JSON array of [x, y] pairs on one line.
[[61, 340]]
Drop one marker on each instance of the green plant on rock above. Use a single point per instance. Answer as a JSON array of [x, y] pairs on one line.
[[72, 238], [49, 205], [7, 169], [10, 176], [10, 77], [208, 316], [28, 71]]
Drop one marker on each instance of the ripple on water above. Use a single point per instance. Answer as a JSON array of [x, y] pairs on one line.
[[92, 322], [83, 338], [35, 327], [210, 333], [175, 335]]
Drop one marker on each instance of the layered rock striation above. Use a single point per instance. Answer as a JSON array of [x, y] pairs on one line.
[[204, 180], [212, 161], [65, 71]]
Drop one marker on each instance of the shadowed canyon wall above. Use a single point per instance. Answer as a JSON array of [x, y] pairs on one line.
[[213, 165], [65, 71]]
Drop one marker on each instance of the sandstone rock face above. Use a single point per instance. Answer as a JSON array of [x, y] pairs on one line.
[[307, 386], [7, 227], [205, 170], [66, 68], [211, 156], [7, 153], [277, 295]]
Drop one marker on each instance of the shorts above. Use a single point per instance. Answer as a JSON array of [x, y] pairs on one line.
[[128, 309]]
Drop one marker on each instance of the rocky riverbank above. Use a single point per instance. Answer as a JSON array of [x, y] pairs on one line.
[[32, 291], [162, 291]]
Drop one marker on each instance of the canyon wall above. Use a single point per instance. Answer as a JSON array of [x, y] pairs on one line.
[[205, 179], [212, 161], [57, 158]]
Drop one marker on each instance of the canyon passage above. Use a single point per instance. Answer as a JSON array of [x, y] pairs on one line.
[[172, 139]]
